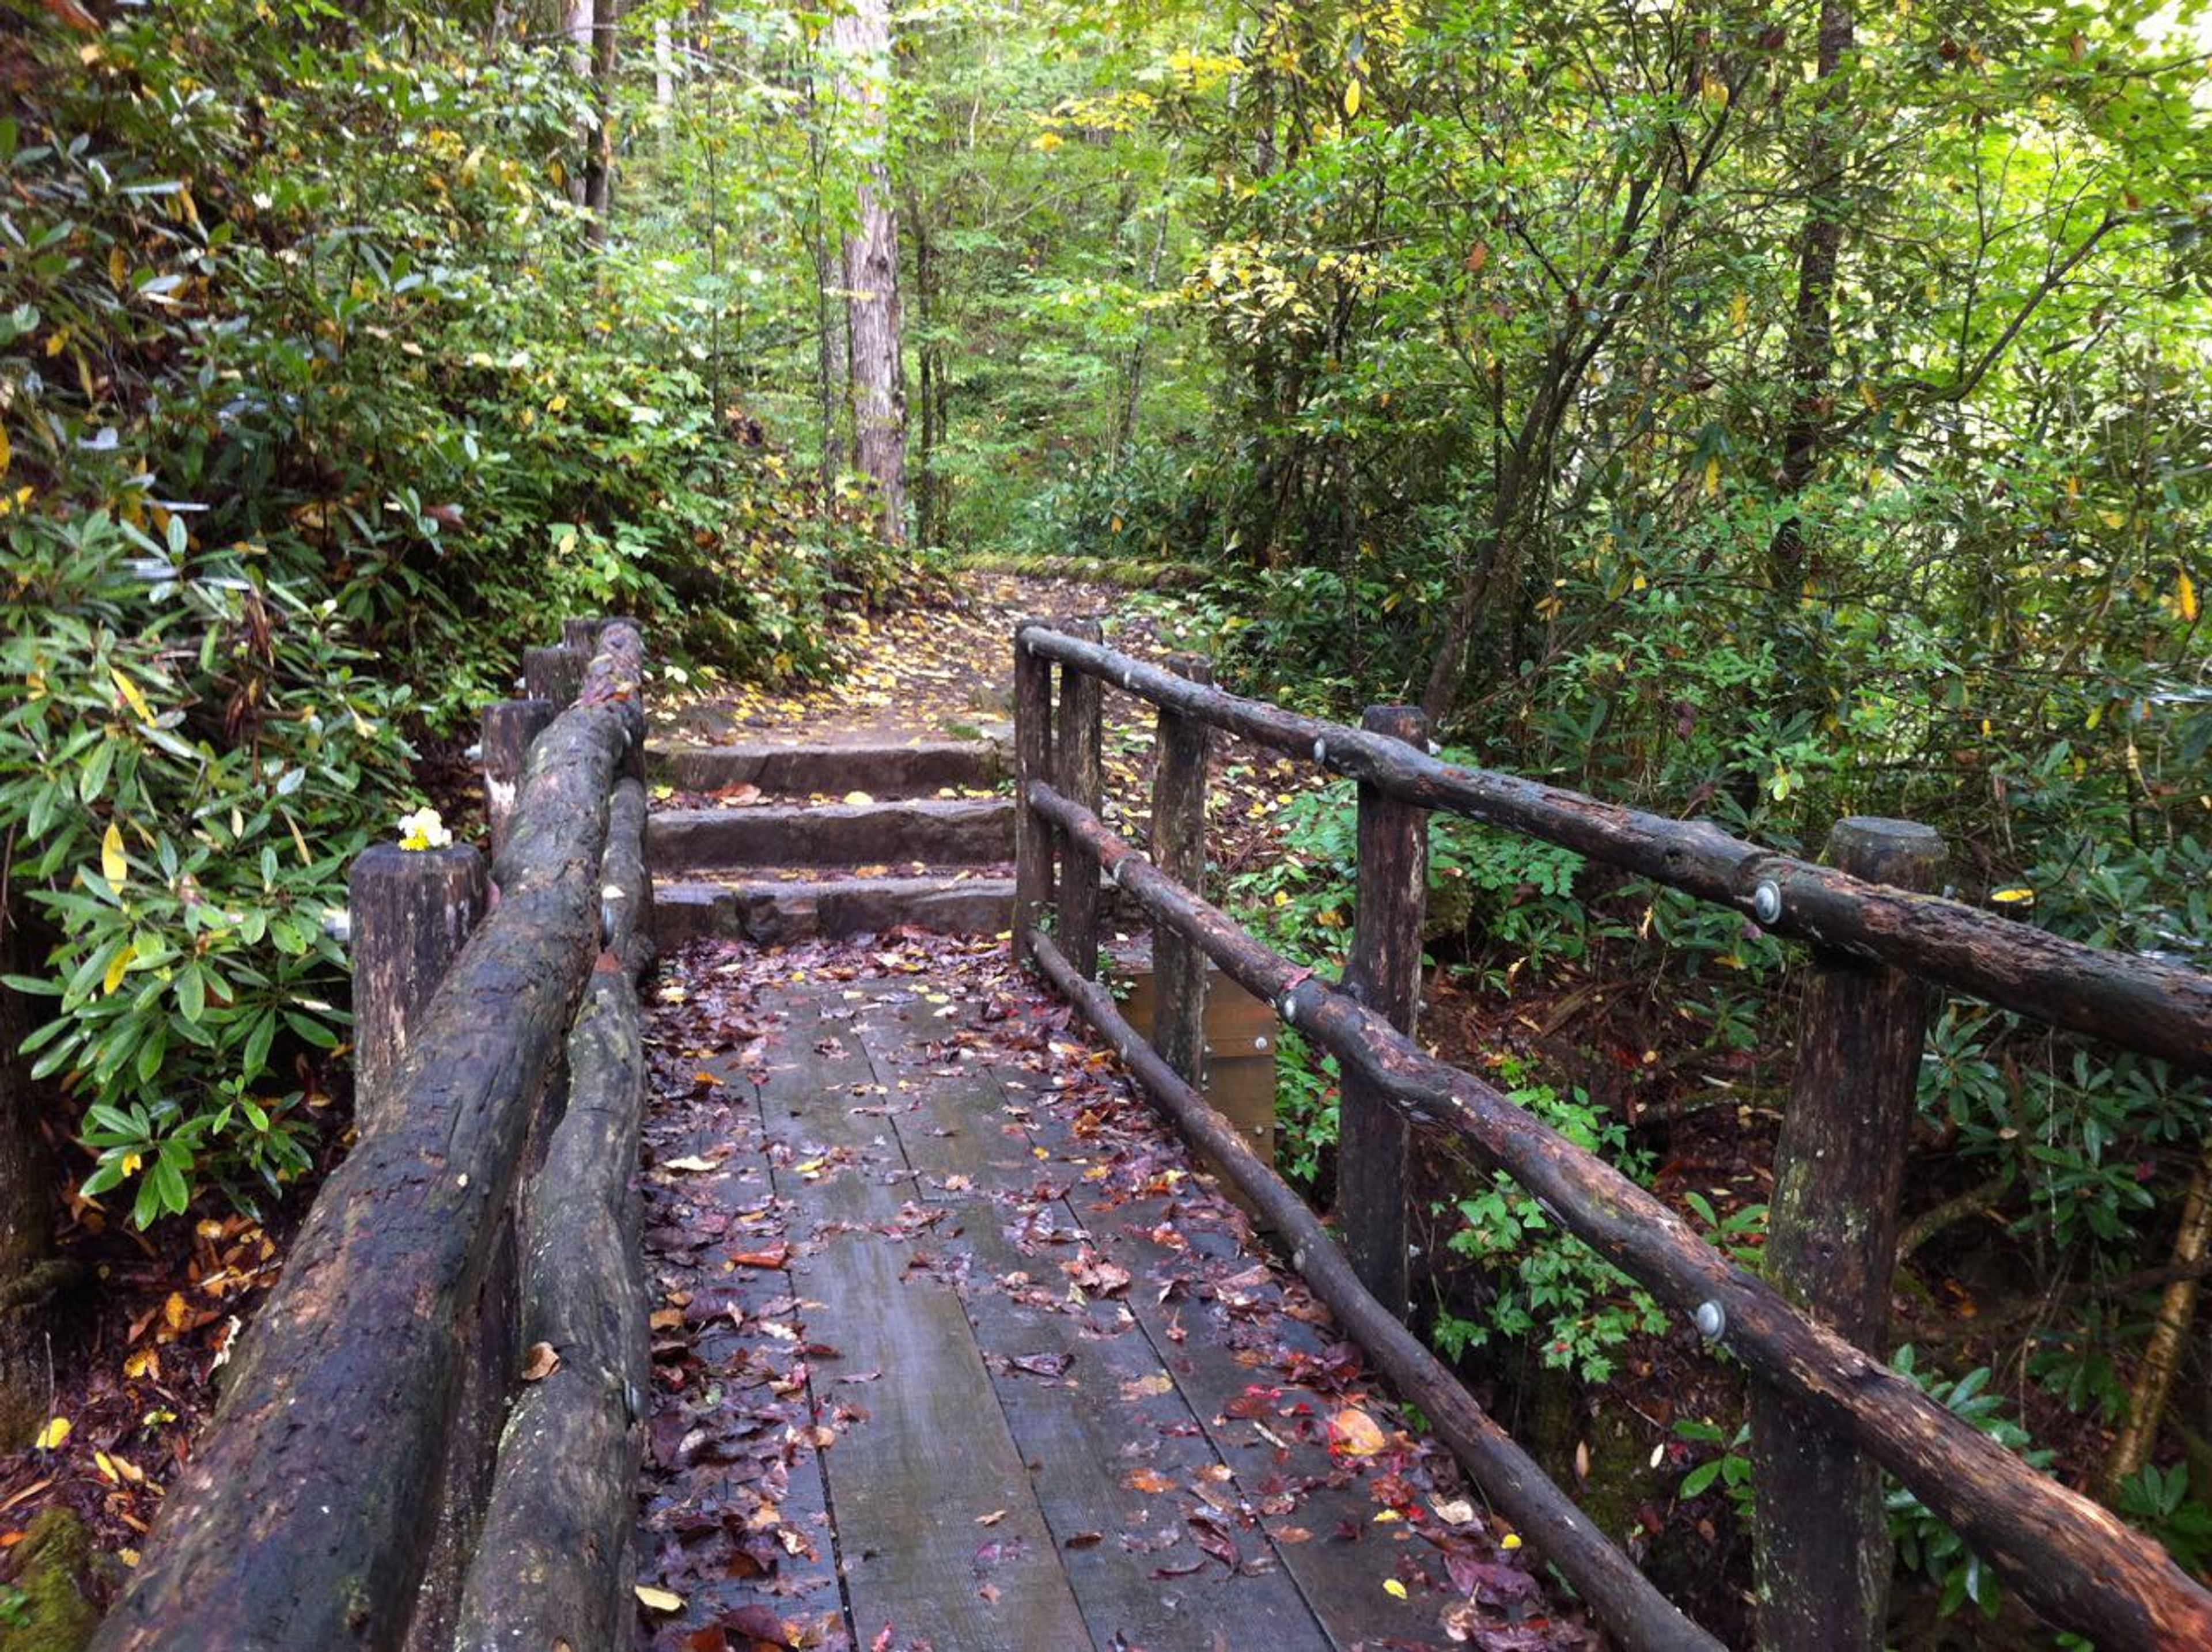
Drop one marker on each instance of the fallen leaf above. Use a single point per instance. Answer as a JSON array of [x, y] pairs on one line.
[[543, 1360], [693, 1163], [656, 1599], [1353, 1433], [51, 1436]]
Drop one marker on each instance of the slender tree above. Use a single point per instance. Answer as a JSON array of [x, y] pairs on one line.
[[863, 39]]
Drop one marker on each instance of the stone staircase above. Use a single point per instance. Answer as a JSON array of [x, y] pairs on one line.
[[789, 864]]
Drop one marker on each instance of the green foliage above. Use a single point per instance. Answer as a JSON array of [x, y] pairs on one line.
[[1925, 1543], [1547, 1287], [189, 756]]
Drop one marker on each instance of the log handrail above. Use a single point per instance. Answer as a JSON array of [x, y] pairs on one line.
[[2141, 1004], [2072, 1560], [307, 1515]]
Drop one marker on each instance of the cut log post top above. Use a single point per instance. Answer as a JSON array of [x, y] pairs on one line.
[[2140, 1003]]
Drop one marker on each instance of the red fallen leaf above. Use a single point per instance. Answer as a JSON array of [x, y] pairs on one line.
[[760, 1625], [1216, 1542], [709, 1639], [775, 1256], [1254, 1403], [1472, 1577]]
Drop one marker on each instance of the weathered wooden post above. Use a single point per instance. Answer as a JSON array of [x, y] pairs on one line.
[[582, 633], [509, 726], [1384, 973], [1184, 747], [412, 910], [1822, 1541], [1032, 761], [1082, 702], [554, 673]]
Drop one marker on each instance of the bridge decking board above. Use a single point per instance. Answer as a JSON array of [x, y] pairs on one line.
[[1114, 1413], [980, 1496]]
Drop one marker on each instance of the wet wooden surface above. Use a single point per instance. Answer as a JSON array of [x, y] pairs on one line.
[[1053, 1386]]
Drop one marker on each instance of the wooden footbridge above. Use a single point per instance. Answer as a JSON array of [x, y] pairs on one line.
[[433, 1434]]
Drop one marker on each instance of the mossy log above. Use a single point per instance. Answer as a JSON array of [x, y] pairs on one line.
[[551, 1566], [305, 1516]]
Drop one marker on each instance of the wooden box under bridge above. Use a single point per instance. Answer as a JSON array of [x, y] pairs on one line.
[[1241, 1037]]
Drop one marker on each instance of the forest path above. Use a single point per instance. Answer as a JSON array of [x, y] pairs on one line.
[[954, 1345]]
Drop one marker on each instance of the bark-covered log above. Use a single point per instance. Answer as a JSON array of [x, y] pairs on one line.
[[1076, 727], [1822, 1554], [2077, 1563], [1643, 1618], [553, 673], [626, 886], [1178, 844], [304, 1517], [509, 727], [552, 1566], [1383, 972], [2157, 1008], [1033, 844], [28, 1274], [413, 910]]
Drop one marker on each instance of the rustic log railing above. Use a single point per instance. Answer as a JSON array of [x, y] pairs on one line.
[[431, 1433], [1827, 1412]]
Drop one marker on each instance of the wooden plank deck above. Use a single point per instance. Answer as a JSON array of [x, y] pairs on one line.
[[1053, 1396]]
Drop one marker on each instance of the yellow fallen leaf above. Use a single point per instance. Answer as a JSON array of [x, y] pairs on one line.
[[51, 1436], [1509, 1542], [2012, 897], [691, 1162], [1392, 1586], [858, 800], [653, 1599], [114, 865]]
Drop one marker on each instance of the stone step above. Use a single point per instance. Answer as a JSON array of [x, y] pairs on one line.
[[919, 770], [775, 913], [939, 831]]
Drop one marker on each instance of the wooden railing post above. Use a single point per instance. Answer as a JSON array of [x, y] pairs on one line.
[[412, 910], [1383, 973], [1183, 748], [1822, 1539], [1077, 755], [509, 726], [1033, 838], [554, 673]]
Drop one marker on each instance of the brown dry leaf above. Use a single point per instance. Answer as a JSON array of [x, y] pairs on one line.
[[666, 1319], [544, 1359]]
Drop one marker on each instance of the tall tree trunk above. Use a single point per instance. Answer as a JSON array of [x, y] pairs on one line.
[[599, 169], [27, 1173], [664, 64], [576, 24], [1812, 325], [929, 492], [833, 379], [863, 37], [1133, 382]]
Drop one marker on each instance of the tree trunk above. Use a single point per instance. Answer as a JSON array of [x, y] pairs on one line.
[[576, 24], [27, 1173], [664, 64], [929, 481], [832, 360], [863, 37], [599, 168], [1812, 325]]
